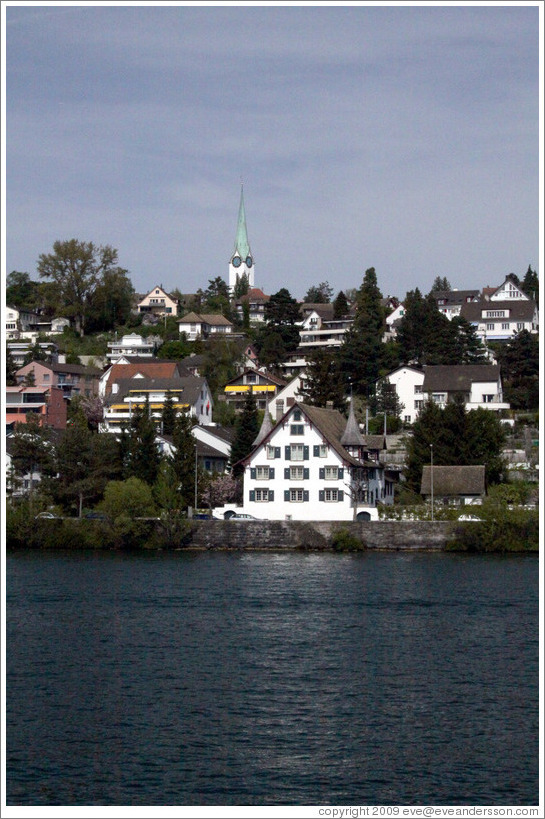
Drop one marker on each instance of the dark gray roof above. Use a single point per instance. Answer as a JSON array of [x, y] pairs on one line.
[[519, 309], [455, 296], [453, 480], [190, 386], [352, 435], [457, 377]]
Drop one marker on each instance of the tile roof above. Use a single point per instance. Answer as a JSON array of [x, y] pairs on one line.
[[458, 377], [522, 309], [190, 387], [453, 480]]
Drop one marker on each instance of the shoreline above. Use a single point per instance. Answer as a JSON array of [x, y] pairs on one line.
[[272, 536]]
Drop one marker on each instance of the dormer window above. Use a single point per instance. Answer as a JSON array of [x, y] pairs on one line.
[[297, 415]]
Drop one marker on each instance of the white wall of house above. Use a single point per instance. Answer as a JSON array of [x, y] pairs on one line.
[[497, 324], [158, 301], [408, 383], [509, 291], [301, 477]]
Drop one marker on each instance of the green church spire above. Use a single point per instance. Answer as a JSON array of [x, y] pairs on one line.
[[241, 242]]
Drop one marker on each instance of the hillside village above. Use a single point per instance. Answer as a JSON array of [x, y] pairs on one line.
[[231, 401]]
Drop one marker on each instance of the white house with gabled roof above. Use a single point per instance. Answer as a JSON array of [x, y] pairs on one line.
[[314, 465], [408, 382]]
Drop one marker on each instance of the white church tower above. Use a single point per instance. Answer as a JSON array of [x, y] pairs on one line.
[[242, 261]]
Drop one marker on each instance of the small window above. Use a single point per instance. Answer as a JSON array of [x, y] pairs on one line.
[[322, 451], [297, 415], [297, 429], [262, 495], [331, 495], [418, 389], [331, 473], [296, 452], [262, 473], [490, 326], [271, 452], [297, 473], [296, 496], [505, 326]]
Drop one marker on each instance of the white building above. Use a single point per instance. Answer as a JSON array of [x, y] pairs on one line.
[[158, 302], [189, 394], [203, 325], [408, 383], [314, 465], [478, 384], [132, 345]]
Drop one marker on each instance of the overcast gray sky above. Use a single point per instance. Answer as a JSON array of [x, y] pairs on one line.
[[400, 138]]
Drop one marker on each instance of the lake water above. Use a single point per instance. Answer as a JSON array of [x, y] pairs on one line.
[[271, 679]]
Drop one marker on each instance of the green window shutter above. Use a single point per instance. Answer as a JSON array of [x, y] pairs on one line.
[[321, 495], [271, 472], [277, 452], [252, 473], [287, 456], [305, 494], [340, 495], [341, 472], [252, 494], [271, 495], [306, 473], [316, 451], [322, 473], [286, 473], [286, 494], [305, 453]]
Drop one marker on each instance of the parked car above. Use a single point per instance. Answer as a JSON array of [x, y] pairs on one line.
[[48, 515], [204, 516], [468, 517], [95, 516]]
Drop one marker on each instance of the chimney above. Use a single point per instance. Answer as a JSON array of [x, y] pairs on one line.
[[279, 409]]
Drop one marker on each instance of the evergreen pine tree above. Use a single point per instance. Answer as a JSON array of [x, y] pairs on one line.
[[530, 284], [168, 415], [184, 457], [323, 380], [11, 369], [361, 354], [144, 456], [340, 305], [246, 430]]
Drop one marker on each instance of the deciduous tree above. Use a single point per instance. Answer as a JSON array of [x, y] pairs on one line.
[[76, 271]]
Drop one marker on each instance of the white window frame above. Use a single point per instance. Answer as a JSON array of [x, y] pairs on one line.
[[297, 452], [323, 451], [331, 495], [296, 496], [331, 473], [297, 473], [261, 495], [270, 452], [264, 476]]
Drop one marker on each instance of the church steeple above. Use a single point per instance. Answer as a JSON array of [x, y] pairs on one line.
[[242, 261]]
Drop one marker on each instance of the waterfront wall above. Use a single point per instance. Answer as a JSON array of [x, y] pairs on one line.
[[271, 534]]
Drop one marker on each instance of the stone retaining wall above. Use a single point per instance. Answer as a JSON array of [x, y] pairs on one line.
[[271, 534]]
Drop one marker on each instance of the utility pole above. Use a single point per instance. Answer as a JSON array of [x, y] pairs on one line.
[[431, 478]]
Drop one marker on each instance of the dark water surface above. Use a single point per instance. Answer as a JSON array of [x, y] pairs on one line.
[[271, 679]]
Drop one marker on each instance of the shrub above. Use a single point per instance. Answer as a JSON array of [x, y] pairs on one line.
[[344, 541]]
